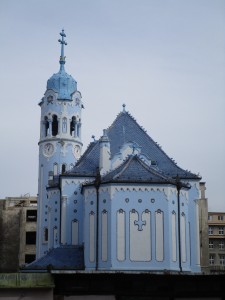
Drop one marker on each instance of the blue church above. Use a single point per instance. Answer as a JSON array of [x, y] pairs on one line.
[[122, 205]]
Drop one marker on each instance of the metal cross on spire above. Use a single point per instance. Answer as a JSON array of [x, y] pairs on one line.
[[62, 42]]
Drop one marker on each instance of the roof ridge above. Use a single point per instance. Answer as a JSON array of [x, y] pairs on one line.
[[155, 172]]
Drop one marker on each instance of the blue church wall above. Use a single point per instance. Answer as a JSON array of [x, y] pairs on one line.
[[71, 191], [105, 223], [53, 218], [90, 212], [140, 200]]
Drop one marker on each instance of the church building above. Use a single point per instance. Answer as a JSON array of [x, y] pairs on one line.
[[122, 205]]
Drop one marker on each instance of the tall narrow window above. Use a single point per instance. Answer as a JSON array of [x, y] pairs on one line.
[[159, 236], [92, 236], [55, 169], [78, 129], [72, 126], [174, 236], [46, 125], [120, 235], [75, 232], [55, 236], [54, 125], [64, 125], [183, 237], [45, 237], [63, 168], [104, 235]]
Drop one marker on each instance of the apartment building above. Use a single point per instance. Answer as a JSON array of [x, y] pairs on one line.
[[18, 222], [216, 223]]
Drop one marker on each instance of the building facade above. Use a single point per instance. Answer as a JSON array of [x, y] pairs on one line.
[[123, 205], [216, 222], [203, 229], [18, 221]]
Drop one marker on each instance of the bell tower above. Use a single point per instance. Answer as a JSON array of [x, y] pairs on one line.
[[60, 138]]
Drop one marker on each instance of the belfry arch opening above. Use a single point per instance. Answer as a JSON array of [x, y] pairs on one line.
[[54, 125], [46, 126], [73, 126]]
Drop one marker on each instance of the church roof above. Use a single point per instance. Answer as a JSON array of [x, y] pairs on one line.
[[63, 257], [133, 169], [123, 130]]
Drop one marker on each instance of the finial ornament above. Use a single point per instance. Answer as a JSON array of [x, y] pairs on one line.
[[124, 105], [62, 42]]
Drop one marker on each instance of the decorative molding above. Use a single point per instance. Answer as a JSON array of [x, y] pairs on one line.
[[123, 188], [52, 193]]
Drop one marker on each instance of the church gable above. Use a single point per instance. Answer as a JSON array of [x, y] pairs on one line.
[[135, 170], [127, 137]]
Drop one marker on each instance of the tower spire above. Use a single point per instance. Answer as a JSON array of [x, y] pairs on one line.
[[62, 60]]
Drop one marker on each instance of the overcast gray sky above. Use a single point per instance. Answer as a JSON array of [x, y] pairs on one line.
[[165, 59]]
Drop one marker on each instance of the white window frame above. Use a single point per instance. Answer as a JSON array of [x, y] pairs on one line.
[[210, 230], [222, 260], [211, 245], [221, 245], [211, 259], [221, 230]]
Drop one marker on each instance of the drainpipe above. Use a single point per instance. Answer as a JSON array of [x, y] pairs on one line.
[[97, 184], [179, 186]]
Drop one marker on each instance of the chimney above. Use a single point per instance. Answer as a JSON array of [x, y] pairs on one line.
[[104, 160]]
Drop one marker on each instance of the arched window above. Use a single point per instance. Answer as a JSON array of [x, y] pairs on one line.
[[72, 126], [64, 125], [63, 168], [54, 125], [45, 237], [55, 169], [46, 126], [55, 236]]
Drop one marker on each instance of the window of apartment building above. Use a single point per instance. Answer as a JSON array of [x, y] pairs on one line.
[[221, 245], [210, 218], [222, 260], [221, 230], [220, 218], [211, 259], [210, 230], [30, 237], [211, 245], [31, 215], [29, 258]]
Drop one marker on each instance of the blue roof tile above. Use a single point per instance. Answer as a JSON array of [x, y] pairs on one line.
[[123, 130], [61, 258], [133, 169]]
